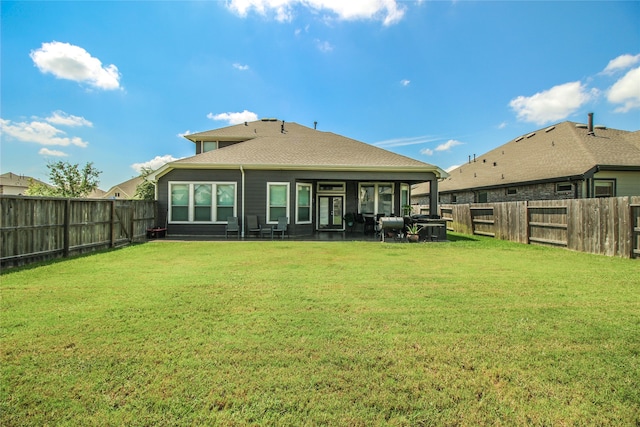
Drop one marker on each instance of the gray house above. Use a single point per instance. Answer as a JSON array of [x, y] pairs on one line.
[[272, 169], [564, 161]]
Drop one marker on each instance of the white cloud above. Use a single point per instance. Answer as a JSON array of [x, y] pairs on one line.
[[622, 62], [185, 133], [324, 46], [626, 91], [387, 11], [550, 105], [155, 163], [63, 119], [502, 125], [240, 67], [39, 132], [452, 167], [405, 82], [442, 147], [54, 153], [401, 142], [234, 118], [66, 61], [448, 145]]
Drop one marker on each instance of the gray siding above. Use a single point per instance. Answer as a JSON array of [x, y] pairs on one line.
[[255, 197]]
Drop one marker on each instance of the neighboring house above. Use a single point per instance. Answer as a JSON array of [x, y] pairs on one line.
[[274, 169], [96, 194], [566, 161], [15, 185], [124, 190]]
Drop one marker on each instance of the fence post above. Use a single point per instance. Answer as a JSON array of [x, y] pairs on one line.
[[113, 223], [67, 228], [526, 222]]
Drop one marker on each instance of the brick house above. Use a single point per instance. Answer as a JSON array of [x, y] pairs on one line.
[[566, 161]]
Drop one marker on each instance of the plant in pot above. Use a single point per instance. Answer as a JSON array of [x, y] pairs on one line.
[[412, 233], [350, 219]]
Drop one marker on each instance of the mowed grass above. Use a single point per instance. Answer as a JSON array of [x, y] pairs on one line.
[[469, 332]]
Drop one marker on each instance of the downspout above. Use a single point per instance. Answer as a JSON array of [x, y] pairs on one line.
[[242, 210]]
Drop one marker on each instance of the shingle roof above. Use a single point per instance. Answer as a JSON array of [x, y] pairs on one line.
[[127, 188], [557, 152], [299, 146]]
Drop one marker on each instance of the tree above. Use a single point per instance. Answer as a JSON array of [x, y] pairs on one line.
[[68, 180], [146, 190]]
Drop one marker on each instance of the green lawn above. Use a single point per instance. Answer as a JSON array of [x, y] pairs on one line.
[[469, 332]]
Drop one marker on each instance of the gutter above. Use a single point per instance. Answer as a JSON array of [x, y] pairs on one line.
[[242, 210]]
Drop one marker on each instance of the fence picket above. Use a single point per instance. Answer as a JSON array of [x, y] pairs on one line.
[[606, 226]]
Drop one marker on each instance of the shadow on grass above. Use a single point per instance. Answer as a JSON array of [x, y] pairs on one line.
[[4, 271], [461, 238]]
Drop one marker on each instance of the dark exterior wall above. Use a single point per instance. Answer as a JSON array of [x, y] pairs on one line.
[[255, 197], [543, 191]]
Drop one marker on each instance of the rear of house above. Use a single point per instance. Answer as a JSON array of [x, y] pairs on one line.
[[272, 169]]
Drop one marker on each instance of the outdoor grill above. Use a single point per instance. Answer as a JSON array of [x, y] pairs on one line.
[[392, 225]]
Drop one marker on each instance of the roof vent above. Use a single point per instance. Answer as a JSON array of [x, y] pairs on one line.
[[520, 138], [600, 127], [550, 128], [581, 126], [531, 134]]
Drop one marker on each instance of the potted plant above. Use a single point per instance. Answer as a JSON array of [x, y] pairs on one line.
[[350, 219], [406, 210], [412, 233]]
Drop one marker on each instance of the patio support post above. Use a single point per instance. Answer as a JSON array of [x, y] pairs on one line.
[[433, 196], [242, 208]]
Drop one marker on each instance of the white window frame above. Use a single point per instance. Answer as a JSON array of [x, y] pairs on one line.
[[191, 204], [208, 142], [376, 201], [310, 186], [288, 203], [405, 188], [338, 187]]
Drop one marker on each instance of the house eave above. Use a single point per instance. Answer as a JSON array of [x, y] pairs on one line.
[[439, 173]]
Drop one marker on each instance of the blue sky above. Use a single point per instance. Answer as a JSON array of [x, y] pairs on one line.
[[117, 83]]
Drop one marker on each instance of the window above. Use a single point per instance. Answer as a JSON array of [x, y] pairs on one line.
[[209, 146], [331, 187], [454, 198], [277, 200], [564, 186], [202, 202], [303, 204], [194, 202], [482, 198], [179, 202], [604, 187], [385, 199], [405, 201], [376, 198], [511, 191], [225, 201]]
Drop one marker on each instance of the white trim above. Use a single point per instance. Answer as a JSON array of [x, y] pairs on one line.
[[269, 220], [191, 204]]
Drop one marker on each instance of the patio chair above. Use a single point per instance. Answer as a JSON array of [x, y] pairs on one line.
[[232, 226], [282, 226], [252, 225], [266, 229]]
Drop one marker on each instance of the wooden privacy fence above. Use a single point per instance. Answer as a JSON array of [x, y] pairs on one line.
[[606, 226], [37, 228]]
